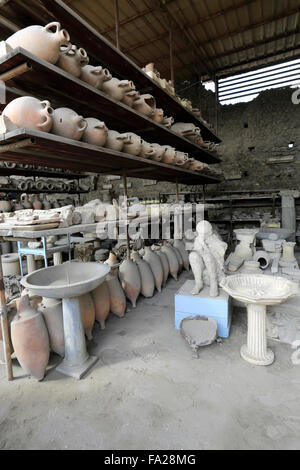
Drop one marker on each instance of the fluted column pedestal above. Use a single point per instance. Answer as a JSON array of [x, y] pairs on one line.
[[256, 351]]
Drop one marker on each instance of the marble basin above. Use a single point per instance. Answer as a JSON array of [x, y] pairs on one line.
[[66, 280], [282, 233], [257, 291]]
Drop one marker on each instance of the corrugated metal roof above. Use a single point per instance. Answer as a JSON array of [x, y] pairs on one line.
[[209, 36]]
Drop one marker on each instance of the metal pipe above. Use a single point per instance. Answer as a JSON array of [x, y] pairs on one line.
[[117, 22], [15, 72]]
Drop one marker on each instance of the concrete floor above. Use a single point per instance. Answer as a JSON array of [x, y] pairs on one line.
[[147, 392]]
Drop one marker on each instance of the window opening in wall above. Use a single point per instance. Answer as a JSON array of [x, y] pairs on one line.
[[247, 86], [291, 145]]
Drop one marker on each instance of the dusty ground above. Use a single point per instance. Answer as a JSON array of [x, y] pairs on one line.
[[147, 392]]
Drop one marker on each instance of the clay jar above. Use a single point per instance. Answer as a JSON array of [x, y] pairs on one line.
[[130, 280], [159, 152], [196, 165], [95, 76], [134, 147], [101, 300], [146, 104], [183, 128], [169, 155], [147, 150], [43, 41], [116, 141], [179, 244], [172, 259], [36, 203], [165, 264], [181, 158], [51, 309], [117, 296], [73, 60], [95, 133], [117, 88], [112, 261], [156, 267], [24, 199], [5, 206], [130, 97], [158, 115], [67, 123], [87, 309], [168, 121], [29, 112], [30, 339], [146, 275], [179, 259]]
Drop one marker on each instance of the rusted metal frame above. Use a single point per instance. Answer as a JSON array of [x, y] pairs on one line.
[[228, 90]]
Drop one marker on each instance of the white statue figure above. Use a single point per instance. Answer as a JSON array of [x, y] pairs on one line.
[[207, 259]]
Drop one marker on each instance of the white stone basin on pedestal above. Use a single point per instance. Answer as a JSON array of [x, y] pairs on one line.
[[257, 291], [67, 282]]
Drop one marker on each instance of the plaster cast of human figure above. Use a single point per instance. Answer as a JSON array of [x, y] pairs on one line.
[[207, 259]]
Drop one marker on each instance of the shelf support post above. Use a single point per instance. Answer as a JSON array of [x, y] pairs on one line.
[[4, 326], [117, 21], [171, 57]]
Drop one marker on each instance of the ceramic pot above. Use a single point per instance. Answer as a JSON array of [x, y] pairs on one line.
[[51, 309], [10, 264], [112, 261], [165, 265], [5, 206], [168, 121], [146, 275], [251, 267], [169, 155], [117, 88], [29, 112], [134, 147], [179, 259], [24, 199], [117, 296], [95, 133], [181, 158], [43, 41], [130, 97], [30, 339], [46, 204], [196, 166], [67, 123], [158, 115], [172, 259], [87, 309], [130, 280], [95, 76], [73, 60], [159, 152], [147, 151], [156, 267], [116, 141], [101, 299], [146, 104], [36, 203], [183, 128], [179, 244]]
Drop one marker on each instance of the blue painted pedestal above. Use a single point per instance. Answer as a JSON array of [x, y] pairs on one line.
[[219, 308]]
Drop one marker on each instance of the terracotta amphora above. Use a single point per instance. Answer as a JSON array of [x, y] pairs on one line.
[[5, 205], [146, 104], [156, 267], [181, 158], [25, 202], [117, 88], [172, 259], [101, 299], [134, 147], [179, 244], [30, 339], [196, 166], [73, 60], [95, 76], [67, 123], [179, 259], [43, 41], [168, 121], [117, 296], [112, 261], [183, 128], [159, 152], [36, 202], [51, 309], [29, 112], [147, 150], [116, 141], [87, 309], [95, 133], [146, 275], [169, 155], [158, 115], [165, 265], [130, 280], [130, 97]]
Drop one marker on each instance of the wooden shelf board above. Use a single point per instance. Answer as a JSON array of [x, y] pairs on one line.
[[47, 81], [51, 150]]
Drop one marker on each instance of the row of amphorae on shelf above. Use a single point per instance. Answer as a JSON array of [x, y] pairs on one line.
[[36, 326]]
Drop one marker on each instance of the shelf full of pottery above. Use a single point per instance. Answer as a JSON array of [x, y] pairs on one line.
[[60, 68], [25, 169], [103, 52], [39, 321]]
